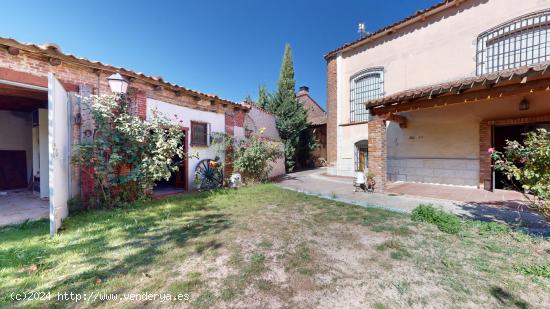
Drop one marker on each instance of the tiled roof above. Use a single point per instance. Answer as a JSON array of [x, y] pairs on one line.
[[394, 27], [52, 50], [463, 84]]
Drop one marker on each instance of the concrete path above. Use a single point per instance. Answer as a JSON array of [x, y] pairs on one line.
[[313, 182], [18, 206]]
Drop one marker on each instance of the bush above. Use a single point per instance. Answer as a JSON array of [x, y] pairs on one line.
[[528, 164], [446, 222], [125, 155], [252, 156]]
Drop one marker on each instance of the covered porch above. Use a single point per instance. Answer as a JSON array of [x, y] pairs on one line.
[[440, 134]]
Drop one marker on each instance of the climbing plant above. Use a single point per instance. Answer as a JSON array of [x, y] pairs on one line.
[[126, 154]]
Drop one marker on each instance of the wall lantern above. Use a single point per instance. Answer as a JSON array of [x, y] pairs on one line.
[[117, 83], [524, 105]]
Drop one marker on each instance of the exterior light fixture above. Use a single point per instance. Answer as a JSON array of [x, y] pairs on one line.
[[524, 105], [117, 83]]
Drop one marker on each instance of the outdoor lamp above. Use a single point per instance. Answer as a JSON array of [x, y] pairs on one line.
[[524, 105], [117, 83]]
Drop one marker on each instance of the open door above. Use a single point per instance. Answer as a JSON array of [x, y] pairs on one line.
[[58, 152]]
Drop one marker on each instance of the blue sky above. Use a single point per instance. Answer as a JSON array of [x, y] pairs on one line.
[[226, 48]]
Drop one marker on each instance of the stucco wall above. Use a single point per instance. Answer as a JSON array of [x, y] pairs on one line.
[[440, 49], [258, 119], [16, 134], [186, 115], [441, 145]]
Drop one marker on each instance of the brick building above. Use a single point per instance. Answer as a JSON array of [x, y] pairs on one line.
[[317, 121], [40, 89], [423, 99]]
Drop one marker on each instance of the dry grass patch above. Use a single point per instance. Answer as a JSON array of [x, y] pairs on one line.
[[263, 246]]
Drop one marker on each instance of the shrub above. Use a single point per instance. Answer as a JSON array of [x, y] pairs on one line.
[[446, 222], [125, 155], [529, 164], [252, 156]]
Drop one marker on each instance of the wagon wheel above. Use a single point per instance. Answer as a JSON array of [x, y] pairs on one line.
[[208, 177]]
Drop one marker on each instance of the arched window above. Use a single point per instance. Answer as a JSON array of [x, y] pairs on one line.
[[366, 86], [519, 42], [361, 155]]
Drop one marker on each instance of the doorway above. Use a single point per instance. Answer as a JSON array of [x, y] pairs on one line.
[[513, 133], [22, 159], [179, 180], [361, 155]]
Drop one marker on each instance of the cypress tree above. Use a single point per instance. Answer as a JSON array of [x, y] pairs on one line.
[[291, 116], [264, 99]]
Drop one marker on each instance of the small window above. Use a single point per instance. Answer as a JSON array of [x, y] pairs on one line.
[[367, 86], [199, 133]]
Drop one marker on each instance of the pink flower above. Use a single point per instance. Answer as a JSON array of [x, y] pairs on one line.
[[491, 150]]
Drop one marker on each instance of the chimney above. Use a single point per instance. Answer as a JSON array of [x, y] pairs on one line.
[[303, 90]]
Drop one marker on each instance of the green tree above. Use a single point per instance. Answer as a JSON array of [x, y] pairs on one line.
[[264, 98], [291, 116]]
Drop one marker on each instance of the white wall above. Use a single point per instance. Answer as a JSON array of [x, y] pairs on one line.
[[442, 48], [258, 119], [186, 115], [44, 158], [439, 49], [16, 134]]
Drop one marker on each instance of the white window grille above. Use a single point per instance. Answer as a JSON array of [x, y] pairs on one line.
[[367, 85], [520, 42]]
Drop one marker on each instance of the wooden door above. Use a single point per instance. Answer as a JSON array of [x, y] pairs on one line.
[[361, 159], [13, 169], [181, 173]]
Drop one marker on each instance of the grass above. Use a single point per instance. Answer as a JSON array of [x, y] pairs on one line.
[[263, 246]]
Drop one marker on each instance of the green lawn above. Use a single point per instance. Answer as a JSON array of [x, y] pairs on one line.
[[263, 246]]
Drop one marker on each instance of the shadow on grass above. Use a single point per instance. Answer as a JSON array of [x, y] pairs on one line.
[[513, 213], [146, 230], [507, 299]]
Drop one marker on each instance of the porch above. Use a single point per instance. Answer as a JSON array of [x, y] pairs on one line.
[[441, 134]]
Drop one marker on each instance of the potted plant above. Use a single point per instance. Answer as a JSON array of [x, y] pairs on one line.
[[370, 181]]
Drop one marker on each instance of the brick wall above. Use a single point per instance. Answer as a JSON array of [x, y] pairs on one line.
[[332, 122], [33, 69], [377, 162]]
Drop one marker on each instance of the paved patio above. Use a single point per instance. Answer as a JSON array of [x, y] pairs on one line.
[[499, 206], [21, 205]]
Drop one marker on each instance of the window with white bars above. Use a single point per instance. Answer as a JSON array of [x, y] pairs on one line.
[[367, 86], [520, 42]]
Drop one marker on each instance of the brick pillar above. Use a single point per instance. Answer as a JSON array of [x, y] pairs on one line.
[[485, 142], [141, 104], [377, 152], [332, 115]]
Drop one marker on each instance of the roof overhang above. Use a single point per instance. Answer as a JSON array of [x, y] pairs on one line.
[[522, 80], [52, 54]]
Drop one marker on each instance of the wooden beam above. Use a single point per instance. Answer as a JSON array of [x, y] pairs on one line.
[[54, 61], [402, 121], [14, 51], [467, 97]]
